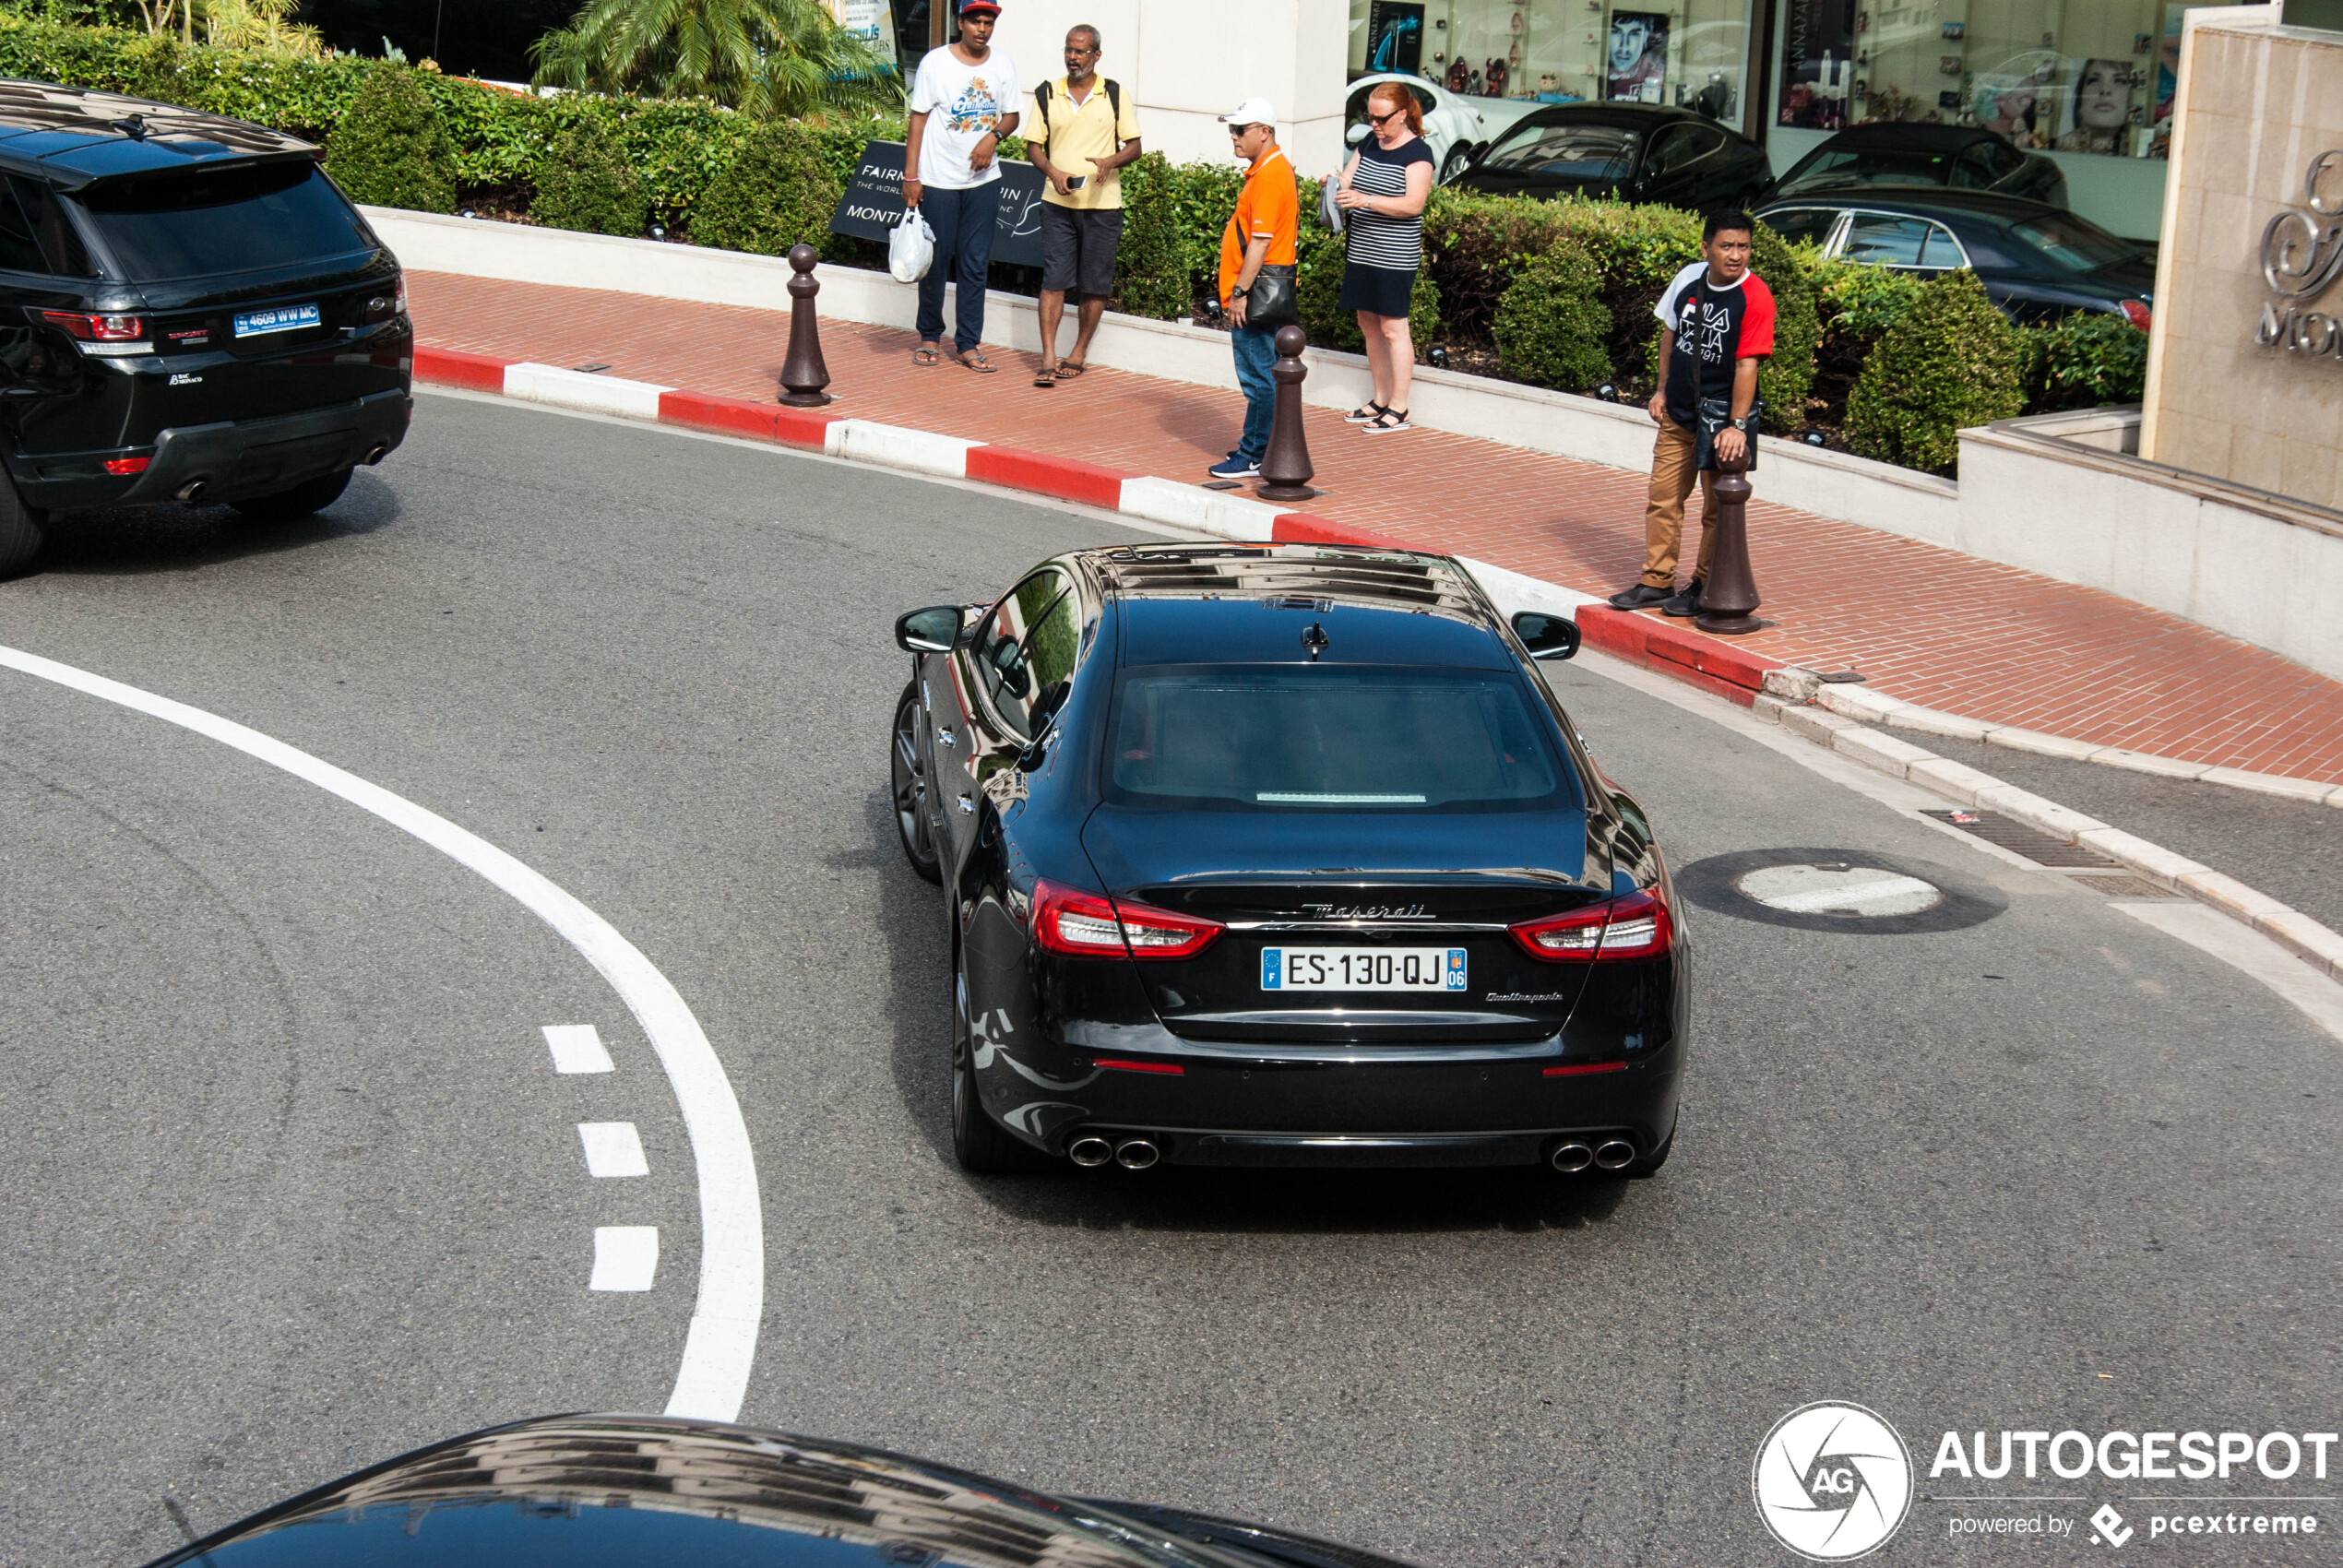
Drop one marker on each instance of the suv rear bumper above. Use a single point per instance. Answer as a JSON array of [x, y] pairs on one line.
[[234, 461]]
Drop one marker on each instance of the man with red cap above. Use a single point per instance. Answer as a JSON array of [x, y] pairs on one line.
[[964, 99]]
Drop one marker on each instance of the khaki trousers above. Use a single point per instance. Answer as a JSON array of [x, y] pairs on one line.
[[1672, 477]]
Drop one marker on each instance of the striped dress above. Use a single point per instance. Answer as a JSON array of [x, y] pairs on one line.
[[1383, 253]]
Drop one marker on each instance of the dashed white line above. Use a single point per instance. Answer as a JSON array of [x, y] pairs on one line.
[[721, 1343], [613, 1148], [576, 1049], [625, 1257]]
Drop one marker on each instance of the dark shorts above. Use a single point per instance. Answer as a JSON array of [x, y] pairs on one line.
[[1381, 290], [1077, 248]]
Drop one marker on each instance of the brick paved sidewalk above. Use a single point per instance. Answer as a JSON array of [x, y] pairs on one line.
[[1923, 623]]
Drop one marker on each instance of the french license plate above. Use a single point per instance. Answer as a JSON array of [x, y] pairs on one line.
[[279, 318], [1362, 969]]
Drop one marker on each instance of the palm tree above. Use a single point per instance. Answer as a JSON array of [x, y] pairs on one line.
[[786, 57]]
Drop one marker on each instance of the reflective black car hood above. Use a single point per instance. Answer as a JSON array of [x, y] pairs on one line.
[[582, 1491]]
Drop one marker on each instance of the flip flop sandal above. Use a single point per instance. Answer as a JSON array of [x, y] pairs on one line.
[[926, 359], [1045, 380], [976, 362], [1363, 414], [1067, 369]]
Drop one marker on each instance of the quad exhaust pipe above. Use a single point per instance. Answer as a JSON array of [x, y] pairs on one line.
[[1091, 1150], [1574, 1154]]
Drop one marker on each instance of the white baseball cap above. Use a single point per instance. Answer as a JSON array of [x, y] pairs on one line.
[[1251, 111]]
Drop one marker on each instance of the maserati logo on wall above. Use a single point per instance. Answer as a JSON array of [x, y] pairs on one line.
[[2302, 257], [1832, 1482]]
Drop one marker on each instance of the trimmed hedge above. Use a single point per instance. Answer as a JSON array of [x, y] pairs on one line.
[[1551, 324], [2084, 360], [775, 194], [586, 186], [389, 147], [1954, 361], [1151, 264]]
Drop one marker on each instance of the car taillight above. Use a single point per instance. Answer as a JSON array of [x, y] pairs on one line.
[[128, 465], [1090, 925], [2137, 314], [1631, 927], [98, 328]]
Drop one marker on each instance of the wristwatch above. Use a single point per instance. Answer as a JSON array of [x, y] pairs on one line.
[[1740, 423], [1239, 293]]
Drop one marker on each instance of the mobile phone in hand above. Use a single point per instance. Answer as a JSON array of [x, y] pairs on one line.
[[1076, 182]]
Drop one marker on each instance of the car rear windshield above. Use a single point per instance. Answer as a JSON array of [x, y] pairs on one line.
[[197, 224], [1320, 739], [1846, 166], [1573, 151], [2074, 244]]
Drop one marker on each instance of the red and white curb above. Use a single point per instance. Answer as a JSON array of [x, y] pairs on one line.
[[1777, 691]]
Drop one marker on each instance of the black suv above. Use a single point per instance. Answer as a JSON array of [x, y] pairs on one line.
[[189, 311]]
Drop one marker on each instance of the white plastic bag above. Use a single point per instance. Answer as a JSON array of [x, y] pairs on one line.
[[911, 250]]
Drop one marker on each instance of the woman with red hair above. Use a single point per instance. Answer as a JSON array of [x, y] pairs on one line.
[[1382, 191]]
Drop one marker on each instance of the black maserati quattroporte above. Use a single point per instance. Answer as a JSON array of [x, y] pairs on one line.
[[1281, 856]]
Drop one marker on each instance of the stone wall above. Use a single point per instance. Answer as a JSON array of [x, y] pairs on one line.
[[2245, 381]]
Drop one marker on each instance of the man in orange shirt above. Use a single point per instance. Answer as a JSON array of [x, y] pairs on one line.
[[1263, 234]]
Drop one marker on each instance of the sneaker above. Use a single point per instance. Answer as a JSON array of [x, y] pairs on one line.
[[1684, 604], [1385, 422], [1642, 596], [1235, 466], [1361, 414]]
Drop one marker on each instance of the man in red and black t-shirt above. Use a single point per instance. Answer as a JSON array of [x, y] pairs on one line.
[[1716, 324]]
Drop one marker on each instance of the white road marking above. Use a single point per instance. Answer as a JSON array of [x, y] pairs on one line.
[[613, 1148], [577, 1047], [625, 1257], [722, 1343], [2208, 930]]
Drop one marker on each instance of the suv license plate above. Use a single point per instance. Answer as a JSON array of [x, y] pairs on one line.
[[283, 318], [1362, 969]]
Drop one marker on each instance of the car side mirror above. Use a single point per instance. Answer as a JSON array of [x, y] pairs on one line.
[[1355, 134], [932, 630], [1546, 636]]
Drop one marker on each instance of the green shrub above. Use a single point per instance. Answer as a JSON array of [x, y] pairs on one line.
[[389, 148], [1552, 322], [1858, 302], [2084, 361], [1151, 262], [1319, 296], [1952, 362], [776, 195], [1789, 376], [1473, 248], [586, 185]]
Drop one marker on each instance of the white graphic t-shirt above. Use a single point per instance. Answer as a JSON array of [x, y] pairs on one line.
[[960, 101]]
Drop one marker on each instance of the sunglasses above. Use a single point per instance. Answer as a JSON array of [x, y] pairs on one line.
[[1381, 120]]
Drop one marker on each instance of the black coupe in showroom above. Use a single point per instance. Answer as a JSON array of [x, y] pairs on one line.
[[1281, 856]]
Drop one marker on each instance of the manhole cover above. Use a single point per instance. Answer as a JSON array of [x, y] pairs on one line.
[[1839, 888]]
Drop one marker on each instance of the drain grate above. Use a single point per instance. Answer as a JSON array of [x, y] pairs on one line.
[[2122, 884], [2031, 843]]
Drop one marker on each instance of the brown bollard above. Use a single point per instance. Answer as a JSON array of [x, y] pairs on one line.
[[803, 373], [1286, 471], [1728, 599]]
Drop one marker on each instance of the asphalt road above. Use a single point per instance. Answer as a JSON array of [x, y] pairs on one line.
[[295, 1185]]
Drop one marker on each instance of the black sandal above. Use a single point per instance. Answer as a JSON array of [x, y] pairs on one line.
[[1390, 421], [1363, 414]]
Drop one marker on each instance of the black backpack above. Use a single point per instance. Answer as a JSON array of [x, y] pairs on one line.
[[1044, 94]]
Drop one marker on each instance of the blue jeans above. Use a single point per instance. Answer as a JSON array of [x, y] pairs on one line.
[[1257, 351], [963, 221]]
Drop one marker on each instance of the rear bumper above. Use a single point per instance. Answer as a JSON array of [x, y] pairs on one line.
[[234, 459]]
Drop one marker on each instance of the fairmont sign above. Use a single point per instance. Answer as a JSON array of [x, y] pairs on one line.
[[2301, 258]]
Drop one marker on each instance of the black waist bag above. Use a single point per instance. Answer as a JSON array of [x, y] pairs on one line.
[[1716, 414], [1271, 304]]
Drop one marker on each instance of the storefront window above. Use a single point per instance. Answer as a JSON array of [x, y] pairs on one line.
[[1694, 53], [2089, 76]]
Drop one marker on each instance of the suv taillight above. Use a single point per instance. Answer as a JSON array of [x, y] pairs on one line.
[[2137, 314], [1631, 927], [1091, 925], [98, 328]]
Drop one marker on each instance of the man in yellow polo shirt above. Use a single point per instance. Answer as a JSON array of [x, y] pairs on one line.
[[1085, 128]]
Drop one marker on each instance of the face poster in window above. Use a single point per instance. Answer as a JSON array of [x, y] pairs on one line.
[[2099, 108], [1395, 36], [1817, 63], [1638, 64]]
